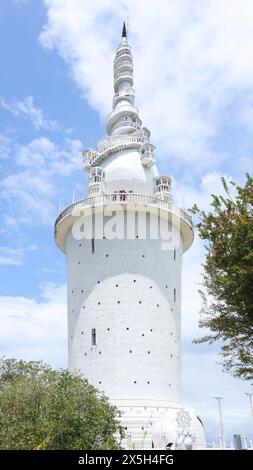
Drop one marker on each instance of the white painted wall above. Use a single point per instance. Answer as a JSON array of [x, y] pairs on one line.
[[124, 171], [125, 289]]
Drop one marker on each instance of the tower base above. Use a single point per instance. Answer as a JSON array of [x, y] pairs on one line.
[[157, 424]]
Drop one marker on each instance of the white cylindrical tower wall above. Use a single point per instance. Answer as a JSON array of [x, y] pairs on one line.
[[124, 171], [129, 292]]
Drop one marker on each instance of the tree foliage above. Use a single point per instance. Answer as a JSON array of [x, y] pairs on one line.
[[228, 276], [42, 408]]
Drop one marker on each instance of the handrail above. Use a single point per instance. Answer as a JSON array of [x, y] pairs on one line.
[[126, 124], [123, 108], [122, 75], [105, 143], [123, 64], [129, 91], [122, 52], [119, 198], [122, 141]]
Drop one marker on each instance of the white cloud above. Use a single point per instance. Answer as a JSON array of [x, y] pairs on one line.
[[11, 256], [5, 145], [35, 330], [26, 109], [32, 184], [193, 65]]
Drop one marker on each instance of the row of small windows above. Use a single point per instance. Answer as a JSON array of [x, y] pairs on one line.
[[140, 301], [94, 340], [166, 287], [148, 382], [143, 256], [130, 352], [118, 302], [127, 328], [135, 382], [137, 236]]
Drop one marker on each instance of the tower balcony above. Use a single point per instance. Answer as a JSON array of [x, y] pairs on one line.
[[147, 155], [123, 53], [108, 146], [89, 156], [162, 187], [125, 127], [112, 141], [127, 201], [122, 77], [119, 113], [122, 67], [124, 94], [123, 45], [96, 180]]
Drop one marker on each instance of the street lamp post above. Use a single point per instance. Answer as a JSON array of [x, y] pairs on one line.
[[222, 435], [248, 394]]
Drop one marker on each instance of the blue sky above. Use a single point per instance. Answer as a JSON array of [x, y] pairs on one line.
[[194, 88]]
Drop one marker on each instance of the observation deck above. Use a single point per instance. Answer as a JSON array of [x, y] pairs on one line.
[[129, 201]]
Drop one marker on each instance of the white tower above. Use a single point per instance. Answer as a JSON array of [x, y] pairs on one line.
[[124, 278]]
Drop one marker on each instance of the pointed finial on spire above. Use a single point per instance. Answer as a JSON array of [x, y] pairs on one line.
[[124, 31]]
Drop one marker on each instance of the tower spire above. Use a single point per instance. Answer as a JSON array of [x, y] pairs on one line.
[[124, 31]]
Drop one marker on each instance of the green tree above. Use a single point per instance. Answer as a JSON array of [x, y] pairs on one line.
[[228, 276], [42, 408]]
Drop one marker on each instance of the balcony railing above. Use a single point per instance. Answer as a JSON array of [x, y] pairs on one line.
[[127, 95], [123, 76], [122, 93], [108, 146], [122, 198], [122, 65], [115, 114], [121, 53], [109, 142], [135, 125]]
